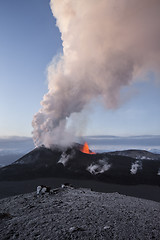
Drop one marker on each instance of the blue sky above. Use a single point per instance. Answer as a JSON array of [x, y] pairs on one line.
[[29, 40]]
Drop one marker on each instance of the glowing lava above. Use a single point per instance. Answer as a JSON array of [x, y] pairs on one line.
[[85, 149]]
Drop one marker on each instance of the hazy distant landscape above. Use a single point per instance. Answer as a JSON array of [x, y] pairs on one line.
[[12, 148]]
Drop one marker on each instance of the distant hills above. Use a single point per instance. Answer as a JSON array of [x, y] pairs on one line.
[[123, 167]]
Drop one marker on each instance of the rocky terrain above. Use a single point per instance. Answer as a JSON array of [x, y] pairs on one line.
[[12, 188], [78, 214]]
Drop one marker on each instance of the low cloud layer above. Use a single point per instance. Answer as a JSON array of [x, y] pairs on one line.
[[114, 143], [106, 45], [15, 144], [12, 148]]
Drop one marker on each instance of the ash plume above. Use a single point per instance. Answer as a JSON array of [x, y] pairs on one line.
[[106, 45]]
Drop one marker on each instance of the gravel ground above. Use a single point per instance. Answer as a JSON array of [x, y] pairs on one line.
[[78, 214]]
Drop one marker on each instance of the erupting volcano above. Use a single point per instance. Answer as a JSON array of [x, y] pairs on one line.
[[85, 149]]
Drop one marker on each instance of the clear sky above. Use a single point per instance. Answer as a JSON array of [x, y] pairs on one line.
[[29, 40]]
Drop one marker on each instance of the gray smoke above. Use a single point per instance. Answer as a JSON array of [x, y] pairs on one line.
[[106, 45]]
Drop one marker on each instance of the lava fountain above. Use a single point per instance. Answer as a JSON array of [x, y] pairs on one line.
[[85, 149]]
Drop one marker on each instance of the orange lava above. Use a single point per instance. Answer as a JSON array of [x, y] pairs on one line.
[[85, 149]]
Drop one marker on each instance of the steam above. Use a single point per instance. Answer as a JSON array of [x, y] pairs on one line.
[[135, 167], [101, 167], [66, 157], [106, 45]]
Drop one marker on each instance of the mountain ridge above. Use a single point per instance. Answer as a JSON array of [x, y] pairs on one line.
[[127, 167]]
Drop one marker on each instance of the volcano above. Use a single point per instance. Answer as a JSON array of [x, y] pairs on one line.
[[125, 167]]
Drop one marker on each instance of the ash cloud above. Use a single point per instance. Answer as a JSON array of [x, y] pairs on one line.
[[106, 45]]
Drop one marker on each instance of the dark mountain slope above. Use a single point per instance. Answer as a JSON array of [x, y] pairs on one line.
[[72, 163], [138, 154]]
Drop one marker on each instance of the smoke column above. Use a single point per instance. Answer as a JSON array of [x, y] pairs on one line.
[[106, 45]]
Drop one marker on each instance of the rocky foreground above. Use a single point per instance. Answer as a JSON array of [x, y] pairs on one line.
[[78, 214]]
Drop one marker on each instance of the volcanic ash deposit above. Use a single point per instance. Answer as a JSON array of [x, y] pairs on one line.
[[78, 214]]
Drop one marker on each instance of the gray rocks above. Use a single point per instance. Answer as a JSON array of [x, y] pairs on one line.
[[79, 214]]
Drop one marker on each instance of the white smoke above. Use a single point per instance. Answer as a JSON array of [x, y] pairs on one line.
[[106, 45], [101, 167], [135, 167], [66, 157]]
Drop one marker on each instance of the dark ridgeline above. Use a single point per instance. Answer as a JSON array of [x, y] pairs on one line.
[[71, 163]]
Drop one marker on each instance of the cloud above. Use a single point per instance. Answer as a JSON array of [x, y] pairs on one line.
[[15, 144], [106, 45], [12, 148], [114, 143]]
